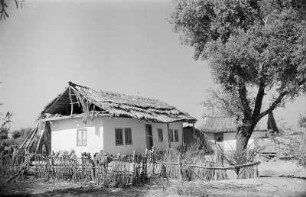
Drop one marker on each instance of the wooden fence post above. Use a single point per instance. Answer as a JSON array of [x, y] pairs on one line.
[[180, 167], [144, 164], [93, 166], [133, 168], [153, 160], [105, 165], [83, 168]]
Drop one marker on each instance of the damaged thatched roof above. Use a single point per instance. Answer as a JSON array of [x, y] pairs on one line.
[[77, 99], [230, 125]]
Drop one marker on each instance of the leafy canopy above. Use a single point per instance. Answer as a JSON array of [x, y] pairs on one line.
[[254, 47]]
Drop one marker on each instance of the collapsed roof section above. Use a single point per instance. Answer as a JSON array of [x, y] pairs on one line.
[[81, 101]]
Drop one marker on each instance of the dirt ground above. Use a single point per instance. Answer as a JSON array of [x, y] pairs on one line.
[[274, 183], [263, 186]]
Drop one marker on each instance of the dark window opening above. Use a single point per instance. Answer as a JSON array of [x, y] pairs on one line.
[[128, 136], [119, 136], [176, 136], [218, 137], [160, 135]]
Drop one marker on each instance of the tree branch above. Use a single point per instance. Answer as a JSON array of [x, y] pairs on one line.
[[278, 101], [3, 12], [258, 101], [274, 105]]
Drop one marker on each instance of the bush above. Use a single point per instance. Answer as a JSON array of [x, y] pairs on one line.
[[16, 134], [301, 151]]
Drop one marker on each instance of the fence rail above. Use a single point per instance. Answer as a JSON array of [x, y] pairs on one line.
[[115, 171]]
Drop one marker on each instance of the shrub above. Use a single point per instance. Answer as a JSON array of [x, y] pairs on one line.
[[16, 134], [301, 151]]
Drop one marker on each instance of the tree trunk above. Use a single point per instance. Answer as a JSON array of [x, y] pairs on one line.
[[242, 138]]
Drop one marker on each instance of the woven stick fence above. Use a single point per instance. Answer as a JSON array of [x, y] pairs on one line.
[[123, 171], [189, 171]]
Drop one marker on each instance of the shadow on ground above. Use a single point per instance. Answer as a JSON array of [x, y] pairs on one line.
[[31, 188]]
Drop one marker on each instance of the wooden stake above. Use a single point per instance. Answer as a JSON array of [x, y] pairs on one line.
[[180, 167], [193, 133], [145, 163], [40, 140], [133, 168], [168, 135], [27, 138], [71, 102], [153, 160]]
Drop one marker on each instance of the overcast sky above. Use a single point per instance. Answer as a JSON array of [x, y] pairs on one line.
[[120, 46]]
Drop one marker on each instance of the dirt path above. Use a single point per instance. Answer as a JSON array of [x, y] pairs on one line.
[[265, 186]]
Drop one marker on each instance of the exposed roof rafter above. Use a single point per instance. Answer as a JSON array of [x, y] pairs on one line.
[[114, 105]]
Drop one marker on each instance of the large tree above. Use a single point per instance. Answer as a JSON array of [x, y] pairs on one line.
[[256, 50]]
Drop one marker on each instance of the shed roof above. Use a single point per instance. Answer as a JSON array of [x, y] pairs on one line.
[[87, 100], [230, 124]]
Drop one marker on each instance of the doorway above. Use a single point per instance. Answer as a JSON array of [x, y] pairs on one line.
[[149, 136]]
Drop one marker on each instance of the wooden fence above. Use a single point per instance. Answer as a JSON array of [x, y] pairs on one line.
[[116, 171]]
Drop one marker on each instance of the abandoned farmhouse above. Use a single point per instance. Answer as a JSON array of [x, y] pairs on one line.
[[86, 120]]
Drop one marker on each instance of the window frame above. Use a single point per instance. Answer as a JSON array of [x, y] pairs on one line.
[[125, 133], [160, 134], [176, 135], [118, 133], [81, 137], [126, 130]]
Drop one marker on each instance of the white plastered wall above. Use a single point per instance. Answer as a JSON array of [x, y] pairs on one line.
[[64, 135], [138, 135], [229, 140]]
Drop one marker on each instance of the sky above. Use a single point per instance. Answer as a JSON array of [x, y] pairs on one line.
[[120, 46]]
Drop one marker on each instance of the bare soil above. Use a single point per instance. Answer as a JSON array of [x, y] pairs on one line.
[[263, 186]]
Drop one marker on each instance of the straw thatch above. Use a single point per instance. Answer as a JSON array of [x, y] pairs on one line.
[[86, 103], [193, 136], [230, 124], [80, 100]]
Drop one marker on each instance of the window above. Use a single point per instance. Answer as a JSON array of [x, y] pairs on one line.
[[176, 136], [123, 139], [82, 137], [119, 136], [218, 137], [128, 136], [160, 135], [170, 135]]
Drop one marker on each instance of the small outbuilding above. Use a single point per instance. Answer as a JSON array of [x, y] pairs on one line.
[[86, 120], [222, 130]]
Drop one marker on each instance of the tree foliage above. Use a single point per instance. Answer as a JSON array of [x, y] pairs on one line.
[[221, 103], [256, 50], [4, 5], [5, 125], [249, 44], [302, 121], [18, 136]]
